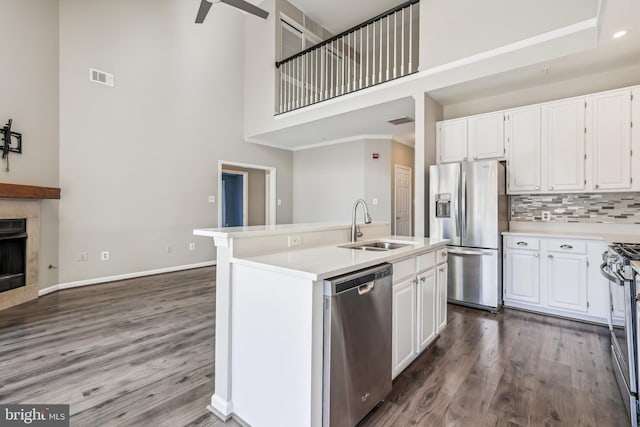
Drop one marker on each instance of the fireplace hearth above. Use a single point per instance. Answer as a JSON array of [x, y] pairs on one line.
[[13, 245]]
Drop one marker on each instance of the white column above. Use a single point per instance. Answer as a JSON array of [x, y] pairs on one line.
[[419, 166], [221, 400]]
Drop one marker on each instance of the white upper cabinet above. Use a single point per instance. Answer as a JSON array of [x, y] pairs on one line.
[[609, 140], [452, 141], [563, 134], [486, 136], [523, 149]]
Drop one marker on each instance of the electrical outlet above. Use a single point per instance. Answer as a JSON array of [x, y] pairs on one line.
[[295, 240], [279, 202], [192, 247], [546, 216], [104, 255], [375, 201], [82, 256], [212, 199]]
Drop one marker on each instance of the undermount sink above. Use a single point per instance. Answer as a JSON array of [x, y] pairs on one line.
[[378, 245]]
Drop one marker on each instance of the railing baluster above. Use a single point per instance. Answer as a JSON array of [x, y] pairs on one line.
[[395, 44], [380, 65], [366, 79], [373, 63], [361, 56], [388, 40], [342, 88], [354, 82], [410, 70], [402, 62]]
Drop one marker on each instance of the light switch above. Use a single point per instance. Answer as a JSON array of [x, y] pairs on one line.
[[212, 199], [375, 201]]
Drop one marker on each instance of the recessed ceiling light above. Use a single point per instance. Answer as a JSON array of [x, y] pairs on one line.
[[620, 33]]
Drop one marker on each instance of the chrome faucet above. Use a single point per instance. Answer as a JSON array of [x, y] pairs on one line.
[[355, 231]]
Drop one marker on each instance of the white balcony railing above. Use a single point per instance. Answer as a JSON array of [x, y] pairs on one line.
[[381, 49]]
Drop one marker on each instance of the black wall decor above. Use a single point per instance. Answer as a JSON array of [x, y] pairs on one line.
[[11, 142]]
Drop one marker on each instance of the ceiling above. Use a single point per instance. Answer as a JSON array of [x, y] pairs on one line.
[[337, 16]]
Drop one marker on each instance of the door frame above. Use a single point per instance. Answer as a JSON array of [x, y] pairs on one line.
[[395, 198], [245, 195], [270, 196]]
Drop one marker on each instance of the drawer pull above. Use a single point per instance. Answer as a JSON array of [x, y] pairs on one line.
[[522, 244], [550, 256], [566, 246]]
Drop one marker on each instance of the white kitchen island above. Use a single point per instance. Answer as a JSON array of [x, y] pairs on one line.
[[269, 308]]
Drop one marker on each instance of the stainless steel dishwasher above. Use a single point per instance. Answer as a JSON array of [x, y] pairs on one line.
[[357, 344]]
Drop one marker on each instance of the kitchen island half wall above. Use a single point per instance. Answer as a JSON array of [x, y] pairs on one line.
[[269, 314]]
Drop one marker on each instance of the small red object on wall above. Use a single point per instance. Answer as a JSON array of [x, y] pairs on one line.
[[375, 155]]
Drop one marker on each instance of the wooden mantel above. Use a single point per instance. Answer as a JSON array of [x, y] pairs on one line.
[[14, 191]]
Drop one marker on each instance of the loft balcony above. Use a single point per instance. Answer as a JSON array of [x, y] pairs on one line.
[[381, 49]]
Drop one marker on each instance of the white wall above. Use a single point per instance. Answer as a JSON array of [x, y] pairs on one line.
[[452, 30], [29, 96], [138, 161], [328, 180]]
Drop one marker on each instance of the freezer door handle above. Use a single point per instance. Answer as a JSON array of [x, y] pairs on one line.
[[472, 253]]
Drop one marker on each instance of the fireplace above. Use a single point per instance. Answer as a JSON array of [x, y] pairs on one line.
[[13, 248]]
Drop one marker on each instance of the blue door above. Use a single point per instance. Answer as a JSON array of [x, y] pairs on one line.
[[232, 199]]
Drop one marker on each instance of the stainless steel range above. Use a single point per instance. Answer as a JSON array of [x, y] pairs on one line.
[[624, 338]]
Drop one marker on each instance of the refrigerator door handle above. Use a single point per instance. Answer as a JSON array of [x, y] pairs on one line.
[[463, 198]]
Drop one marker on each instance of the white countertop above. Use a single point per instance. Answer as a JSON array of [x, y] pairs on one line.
[[323, 262], [271, 230], [626, 233]]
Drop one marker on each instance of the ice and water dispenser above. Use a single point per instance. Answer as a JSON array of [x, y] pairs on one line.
[[443, 205]]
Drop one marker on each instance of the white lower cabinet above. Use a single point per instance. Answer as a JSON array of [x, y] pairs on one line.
[[419, 306], [555, 276], [404, 325]]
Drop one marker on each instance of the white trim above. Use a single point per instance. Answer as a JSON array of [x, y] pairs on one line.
[[245, 196], [271, 203], [119, 277]]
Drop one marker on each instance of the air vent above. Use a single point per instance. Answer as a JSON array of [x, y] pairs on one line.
[[400, 121], [100, 77]]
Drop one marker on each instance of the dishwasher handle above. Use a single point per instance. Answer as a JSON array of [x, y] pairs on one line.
[[366, 288]]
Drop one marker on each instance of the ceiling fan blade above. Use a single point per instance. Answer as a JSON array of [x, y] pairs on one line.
[[247, 7], [203, 11]]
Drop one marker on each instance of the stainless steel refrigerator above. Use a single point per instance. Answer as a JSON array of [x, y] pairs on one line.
[[468, 204]]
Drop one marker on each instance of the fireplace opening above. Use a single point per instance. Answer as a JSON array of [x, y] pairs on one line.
[[13, 250]]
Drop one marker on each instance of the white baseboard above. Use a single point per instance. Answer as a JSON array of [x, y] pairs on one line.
[[118, 277]]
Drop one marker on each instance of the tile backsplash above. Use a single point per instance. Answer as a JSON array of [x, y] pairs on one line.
[[619, 208]]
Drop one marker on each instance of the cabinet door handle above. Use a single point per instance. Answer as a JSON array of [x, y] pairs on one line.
[[422, 279], [537, 187], [536, 255], [522, 244], [443, 253], [566, 246], [551, 187], [415, 281], [596, 186], [441, 269], [550, 256]]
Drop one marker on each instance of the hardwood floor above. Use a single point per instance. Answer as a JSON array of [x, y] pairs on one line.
[[140, 353], [510, 369]]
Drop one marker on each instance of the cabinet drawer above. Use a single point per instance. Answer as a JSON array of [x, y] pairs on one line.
[[567, 246], [426, 261], [441, 256], [523, 242], [403, 269]]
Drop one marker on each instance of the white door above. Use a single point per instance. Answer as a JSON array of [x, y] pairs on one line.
[[523, 149], [451, 141], [567, 282], [402, 226], [609, 140], [563, 139], [404, 325], [486, 136], [522, 281], [427, 308], [441, 297]]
